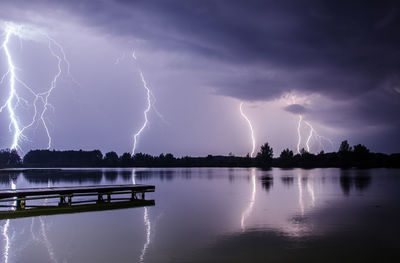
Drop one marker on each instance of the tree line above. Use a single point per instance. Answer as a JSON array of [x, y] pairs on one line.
[[346, 156]]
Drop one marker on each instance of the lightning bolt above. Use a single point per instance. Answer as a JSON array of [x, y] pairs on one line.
[[314, 133], [14, 100], [251, 130], [299, 133], [146, 111], [151, 99], [13, 94]]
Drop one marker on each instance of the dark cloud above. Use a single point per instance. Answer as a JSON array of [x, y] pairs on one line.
[[296, 109], [347, 51]]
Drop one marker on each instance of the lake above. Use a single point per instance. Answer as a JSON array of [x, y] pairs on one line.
[[216, 215]]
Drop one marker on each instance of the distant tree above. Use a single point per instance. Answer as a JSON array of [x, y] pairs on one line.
[[169, 156], [344, 147], [125, 159], [361, 155], [264, 156], [286, 154], [111, 159], [9, 158], [360, 149]]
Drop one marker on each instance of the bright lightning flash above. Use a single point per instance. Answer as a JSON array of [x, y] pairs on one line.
[[146, 111], [299, 133], [253, 140], [14, 99], [314, 133], [150, 104]]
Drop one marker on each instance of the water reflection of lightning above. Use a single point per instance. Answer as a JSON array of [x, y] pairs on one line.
[[251, 130], [310, 188], [5, 231], [148, 231], [248, 210], [14, 99], [147, 223], [300, 186]]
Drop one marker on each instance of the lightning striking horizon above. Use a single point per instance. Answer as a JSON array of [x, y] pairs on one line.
[[251, 130], [314, 133], [146, 111], [148, 107], [14, 99], [299, 133]]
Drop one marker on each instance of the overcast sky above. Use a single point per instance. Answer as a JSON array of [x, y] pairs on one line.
[[335, 63]]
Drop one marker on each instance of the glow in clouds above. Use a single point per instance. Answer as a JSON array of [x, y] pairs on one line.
[[253, 140], [14, 100]]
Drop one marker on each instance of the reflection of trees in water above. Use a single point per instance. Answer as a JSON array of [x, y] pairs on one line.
[[63, 176], [267, 182], [111, 176], [358, 179], [126, 175], [6, 178], [287, 180], [149, 174]]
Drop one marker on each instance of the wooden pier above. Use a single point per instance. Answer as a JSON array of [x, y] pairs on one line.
[[104, 193]]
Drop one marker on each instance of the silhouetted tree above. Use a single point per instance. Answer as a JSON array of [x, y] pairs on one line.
[[286, 154], [264, 156], [111, 159], [125, 159], [9, 158], [361, 155], [344, 147]]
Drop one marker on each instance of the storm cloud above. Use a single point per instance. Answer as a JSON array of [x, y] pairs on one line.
[[346, 52]]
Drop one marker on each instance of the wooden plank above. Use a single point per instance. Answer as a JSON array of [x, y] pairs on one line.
[[24, 192]]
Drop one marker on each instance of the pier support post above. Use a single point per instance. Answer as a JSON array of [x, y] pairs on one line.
[[133, 196], [109, 198], [62, 200], [20, 204], [143, 195], [100, 198], [70, 200]]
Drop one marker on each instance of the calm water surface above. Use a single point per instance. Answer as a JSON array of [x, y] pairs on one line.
[[217, 215]]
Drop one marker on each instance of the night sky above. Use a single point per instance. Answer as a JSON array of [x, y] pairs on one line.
[[335, 63]]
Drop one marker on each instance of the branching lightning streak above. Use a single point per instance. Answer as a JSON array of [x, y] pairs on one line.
[[299, 133], [135, 137], [251, 129], [13, 94], [151, 100], [309, 136], [314, 133], [14, 99]]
